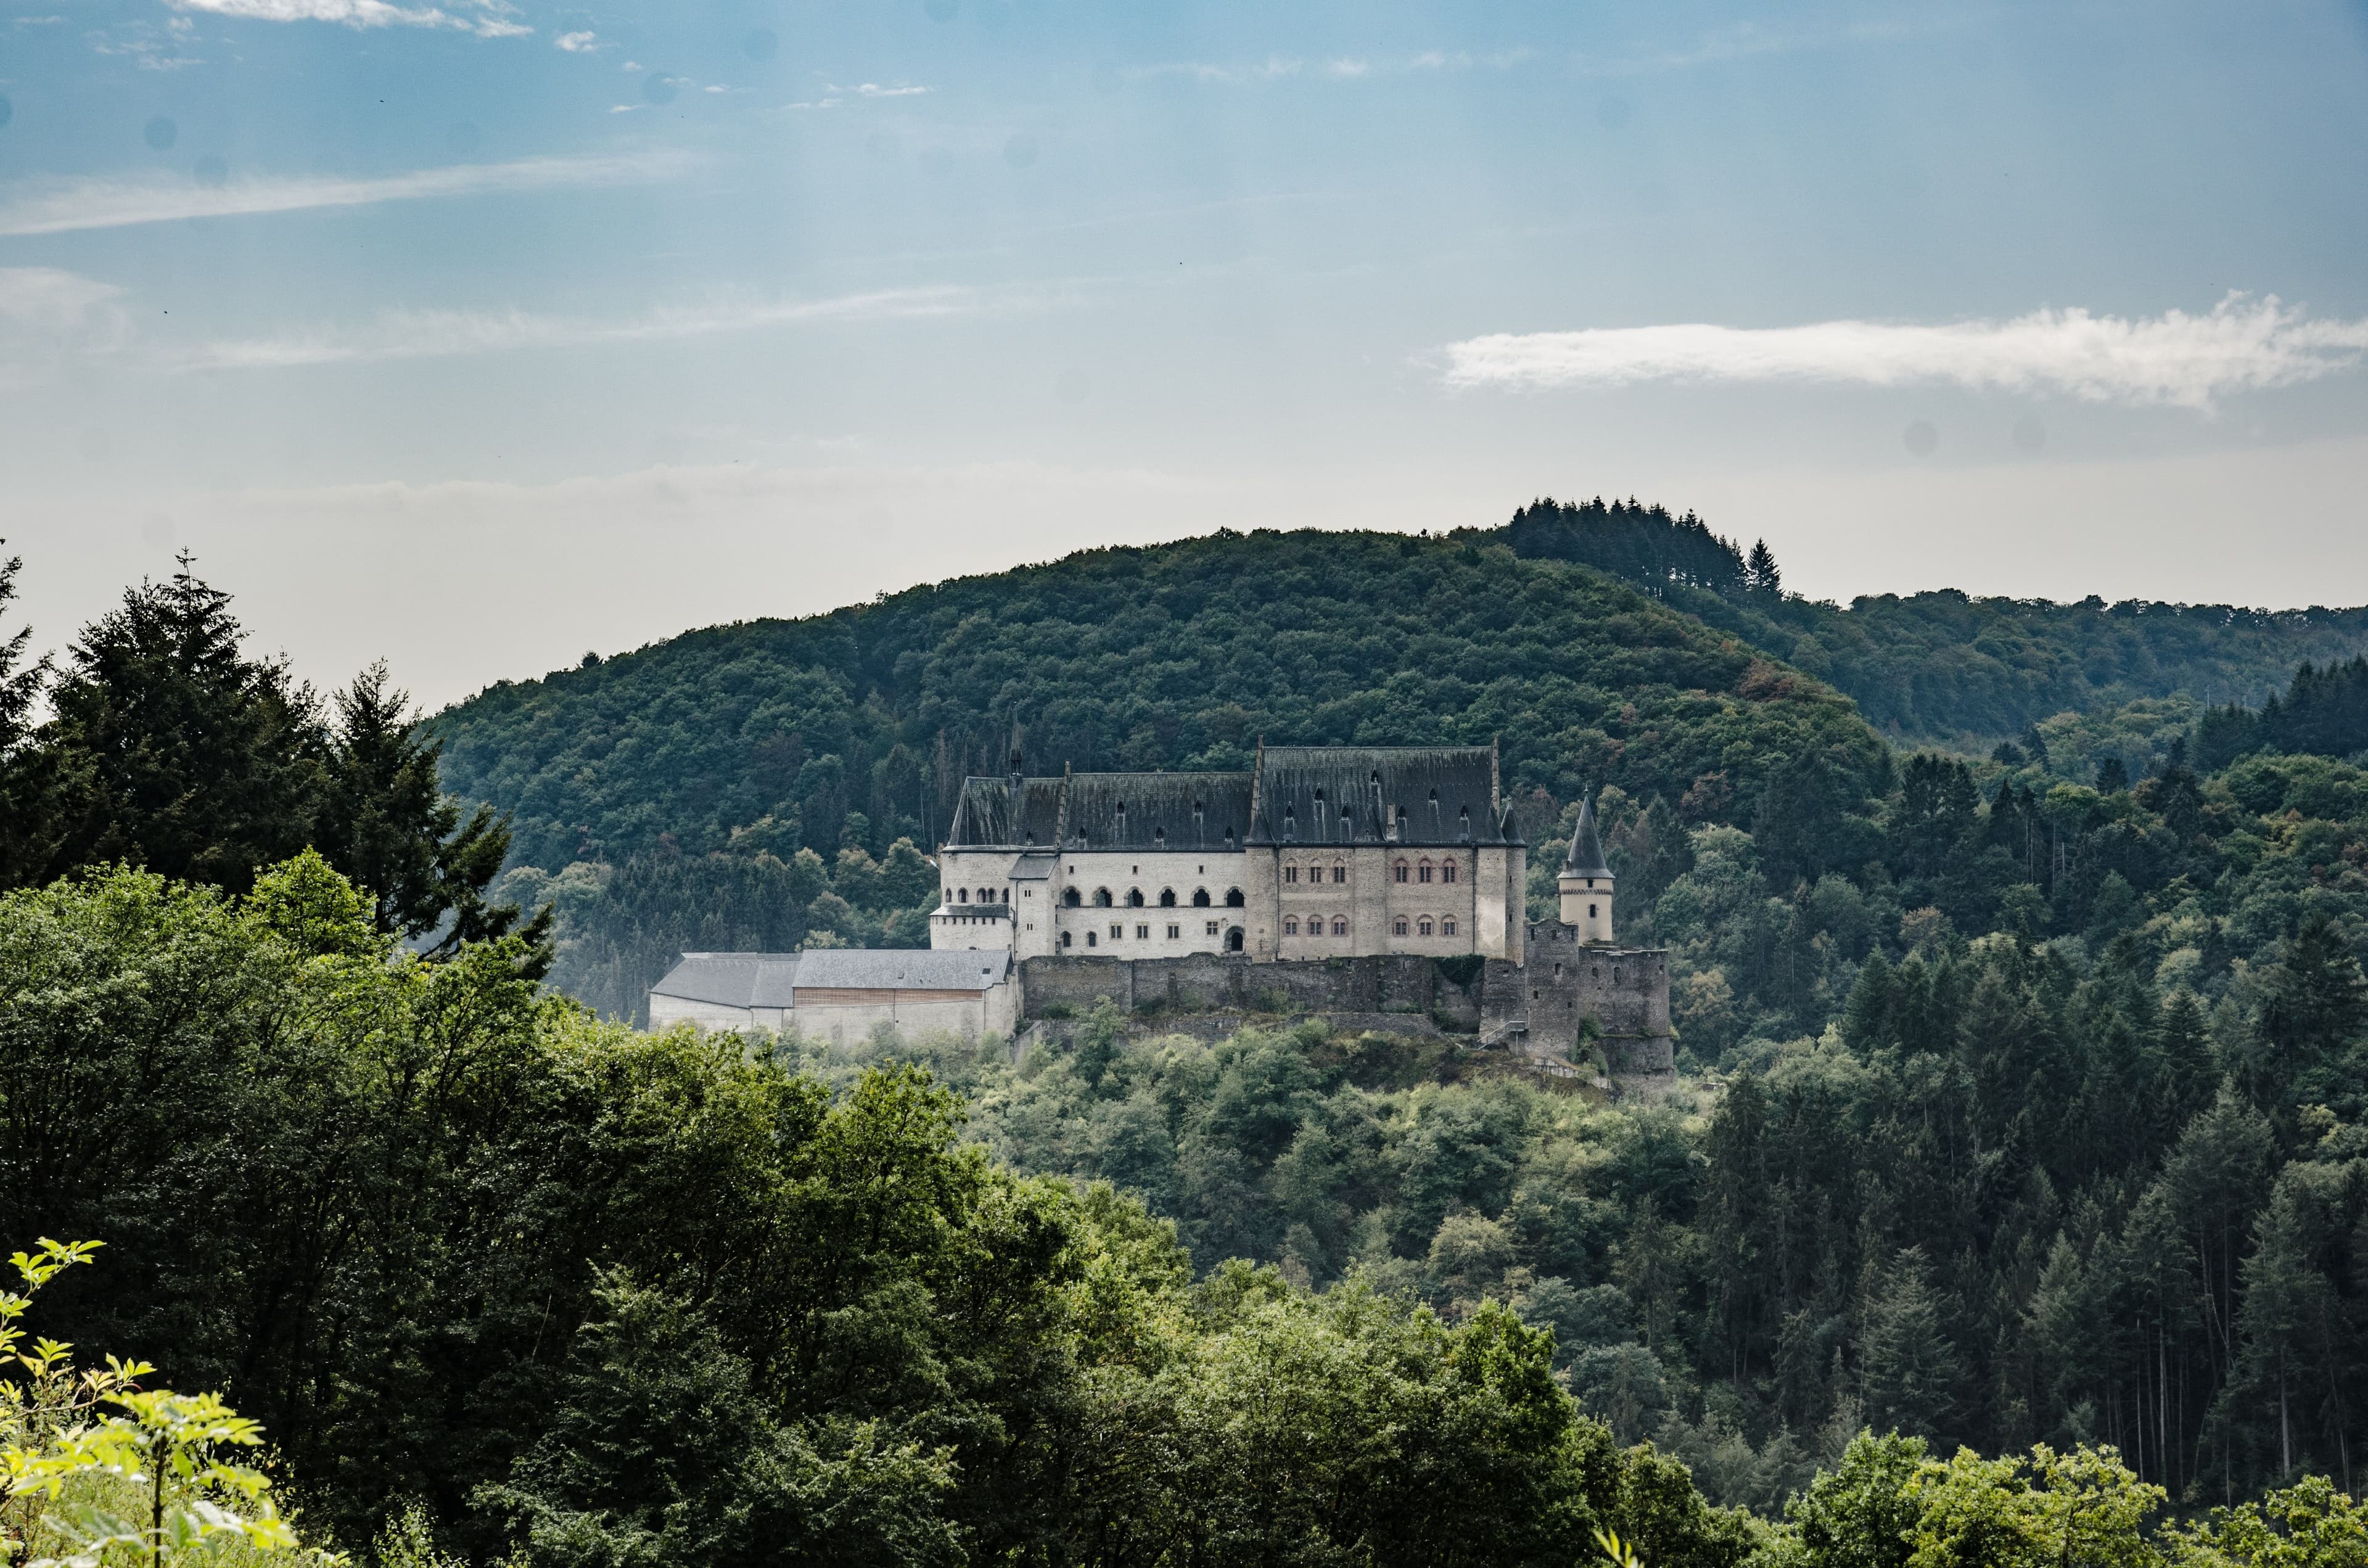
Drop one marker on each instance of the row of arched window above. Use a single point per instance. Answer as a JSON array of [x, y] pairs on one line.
[[1103, 899], [1423, 872], [985, 895], [1315, 925]]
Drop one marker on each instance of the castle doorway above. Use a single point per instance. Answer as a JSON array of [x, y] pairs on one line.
[[1234, 939]]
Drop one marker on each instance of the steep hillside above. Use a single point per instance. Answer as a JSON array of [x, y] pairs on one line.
[[852, 728], [1942, 665]]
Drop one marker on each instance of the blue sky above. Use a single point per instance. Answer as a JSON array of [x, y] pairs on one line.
[[479, 333]]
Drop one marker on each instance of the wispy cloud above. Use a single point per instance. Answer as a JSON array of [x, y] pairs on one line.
[[874, 90], [579, 42], [487, 18], [61, 206], [1338, 68], [46, 312], [423, 335], [2241, 345], [1748, 40]]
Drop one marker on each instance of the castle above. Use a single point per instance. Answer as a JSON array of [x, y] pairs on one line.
[[1362, 883], [1315, 852], [1347, 858]]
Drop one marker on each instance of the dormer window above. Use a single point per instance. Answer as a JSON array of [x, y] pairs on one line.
[[1159, 835], [1289, 825], [1463, 824]]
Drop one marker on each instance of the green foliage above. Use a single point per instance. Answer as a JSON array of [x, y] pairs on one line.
[[170, 748]]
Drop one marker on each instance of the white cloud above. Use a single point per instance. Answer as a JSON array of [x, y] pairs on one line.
[[492, 19], [47, 312], [579, 43], [53, 207], [1343, 68], [422, 334], [874, 90], [2241, 345]]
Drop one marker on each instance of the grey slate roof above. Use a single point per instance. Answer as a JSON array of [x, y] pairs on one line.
[[921, 969], [769, 980], [1157, 811], [1434, 795], [1008, 812], [732, 980], [1586, 857], [1430, 795]]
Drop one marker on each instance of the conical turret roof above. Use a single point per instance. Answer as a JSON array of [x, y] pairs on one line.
[[1586, 857]]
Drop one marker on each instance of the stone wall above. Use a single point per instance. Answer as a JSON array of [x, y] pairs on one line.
[[1231, 982]]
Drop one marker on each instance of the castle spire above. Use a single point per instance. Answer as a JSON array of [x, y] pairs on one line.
[[1586, 857], [1586, 881]]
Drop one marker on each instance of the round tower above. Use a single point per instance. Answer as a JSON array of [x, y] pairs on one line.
[[1587, 882]]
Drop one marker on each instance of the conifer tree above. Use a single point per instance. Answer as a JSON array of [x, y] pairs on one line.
[[175, 750]]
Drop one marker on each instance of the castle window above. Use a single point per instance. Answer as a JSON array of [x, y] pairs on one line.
[[1174, 932], [1199, 898], [1447, 872], [1070, 898], [1142, 933], [987, 895], [1463, 824], [1089, 939], [1158, 835], [1447, 927], [1291, 873], [1234, 898], [962, 895], [1340, 925], [1398, 926], [1167, 898], [1117, 931], [1590, 912], [1065, 936], [1134, 898], [1398, 871], [1426, 924], [1213, 927], [1102, 898], [1290, 925], [1340, 873], [1423, 874]]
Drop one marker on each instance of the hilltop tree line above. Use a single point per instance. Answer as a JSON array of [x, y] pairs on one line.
[[1942, 665]]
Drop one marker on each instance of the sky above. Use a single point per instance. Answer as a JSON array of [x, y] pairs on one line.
[[476, 335]]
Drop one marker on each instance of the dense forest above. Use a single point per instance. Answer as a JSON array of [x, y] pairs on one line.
[[2022, 1113], [1941, 665]]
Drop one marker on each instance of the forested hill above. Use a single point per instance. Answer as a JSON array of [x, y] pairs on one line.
[[1942, 665], [852, 729]]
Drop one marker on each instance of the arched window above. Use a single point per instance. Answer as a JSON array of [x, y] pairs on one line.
[[1447, 872], [962, 895], [1447, 927], [1340, 873], [1398, 926], [1426, 924], [1233, 899], [987, 895], [1167, 898], [1398, 872], [1070, 898], [1066, 938], [1199, 898], [1102, 898], [1422, 872], [1340, 925], [1134, 898], [1290, 925]]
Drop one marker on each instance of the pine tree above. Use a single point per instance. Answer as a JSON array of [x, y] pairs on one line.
[[175, 750], [1908, 1367], [1761, 572], [386, 822], [22, 786]]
